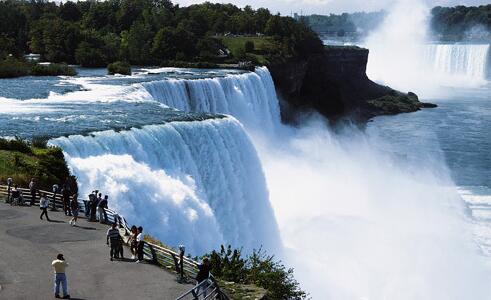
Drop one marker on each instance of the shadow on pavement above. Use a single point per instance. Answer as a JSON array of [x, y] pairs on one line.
[[85, 227]]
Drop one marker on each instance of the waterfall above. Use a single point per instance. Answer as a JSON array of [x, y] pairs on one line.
[[250, 97], [468, 61], [198, 183]]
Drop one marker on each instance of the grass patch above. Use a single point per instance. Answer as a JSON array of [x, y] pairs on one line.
[[21, 161], [263, 46]]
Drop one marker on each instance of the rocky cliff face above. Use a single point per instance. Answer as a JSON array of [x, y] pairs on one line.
[[335, 84]]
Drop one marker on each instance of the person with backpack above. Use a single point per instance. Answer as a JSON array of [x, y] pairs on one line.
[[43, 206]]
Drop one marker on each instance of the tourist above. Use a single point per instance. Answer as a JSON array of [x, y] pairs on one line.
[[87, 206], [75, 209], [59, 265], [133, 242], [102, 209], [202, 277], [140, 244], [113, 237], [65, 192], [93, 207], [17, 198], [9, 189], [33, 190], [43, 205], [55, 192]]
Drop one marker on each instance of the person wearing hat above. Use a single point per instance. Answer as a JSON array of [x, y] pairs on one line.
[[59, 266]]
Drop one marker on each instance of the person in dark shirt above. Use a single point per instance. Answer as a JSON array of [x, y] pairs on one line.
[[102, 210], [93, 207], [66, 200], [113, 237], [203, 274]]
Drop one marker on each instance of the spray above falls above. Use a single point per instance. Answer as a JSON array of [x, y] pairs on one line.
[[198, 183]]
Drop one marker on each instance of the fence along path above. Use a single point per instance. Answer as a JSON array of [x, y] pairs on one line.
[[159, 255]]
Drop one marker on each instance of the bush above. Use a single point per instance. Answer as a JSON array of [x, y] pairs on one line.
[[12, 67], [52, 70], [259, 269], [249, 46], [16, 144], [119, 67]]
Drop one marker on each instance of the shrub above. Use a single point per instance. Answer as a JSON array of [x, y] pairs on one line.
[[259, 268], [12, 67], [52, 70], [119, 67], [249, 46], [16, 144]]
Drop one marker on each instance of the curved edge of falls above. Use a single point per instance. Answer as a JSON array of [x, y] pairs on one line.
[[198, 183]]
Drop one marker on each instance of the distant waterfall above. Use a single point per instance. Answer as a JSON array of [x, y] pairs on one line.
[[250, 97], [197, 183], [469, 61]]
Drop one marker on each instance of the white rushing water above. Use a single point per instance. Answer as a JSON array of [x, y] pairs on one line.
[[198, 183], [247, 97], [464, 60], [402, 56], [357, 222]]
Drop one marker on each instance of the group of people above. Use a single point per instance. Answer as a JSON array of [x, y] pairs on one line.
[[96, 205], [135, 241]]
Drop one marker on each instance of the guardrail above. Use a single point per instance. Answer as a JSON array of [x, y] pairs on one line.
[[164, 257], [207, 289], [159, 255]]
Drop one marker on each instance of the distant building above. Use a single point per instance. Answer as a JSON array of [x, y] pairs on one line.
[[32, 57]]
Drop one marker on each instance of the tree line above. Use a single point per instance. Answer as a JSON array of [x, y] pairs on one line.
[[462, 22], [142, 32]]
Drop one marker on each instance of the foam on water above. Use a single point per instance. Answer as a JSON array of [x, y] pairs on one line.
[[200, 182], [246, 96]]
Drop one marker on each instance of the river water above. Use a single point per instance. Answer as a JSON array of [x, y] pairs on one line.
[[200, 157]]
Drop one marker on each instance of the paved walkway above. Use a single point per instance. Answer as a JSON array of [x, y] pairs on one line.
[[28, 245]]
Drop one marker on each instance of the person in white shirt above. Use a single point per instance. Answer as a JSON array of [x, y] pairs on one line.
[[59, 266], [43, 205], [140, 244]]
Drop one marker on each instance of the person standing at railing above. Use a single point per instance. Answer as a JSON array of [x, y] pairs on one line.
[[9, 188], [87, 206], [75, 209], [133, 243], [33, 190], [102, 210], [93, 206], [55, 191], [202, 277], [65, 192], [43, 205], [140, 244], [59, 266]]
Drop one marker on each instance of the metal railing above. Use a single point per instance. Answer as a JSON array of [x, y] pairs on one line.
[[207, 289], [159, 255]]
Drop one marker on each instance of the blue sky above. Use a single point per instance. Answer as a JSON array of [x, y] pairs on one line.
[[331, 6]]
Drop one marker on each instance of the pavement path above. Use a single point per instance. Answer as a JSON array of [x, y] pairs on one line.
[[28, 245]]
